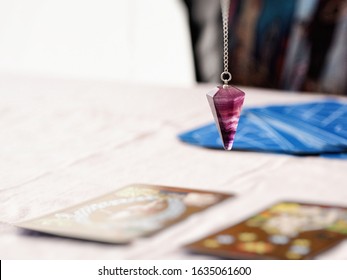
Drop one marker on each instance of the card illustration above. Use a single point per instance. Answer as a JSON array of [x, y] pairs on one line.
[[132, 212], [287, 230]]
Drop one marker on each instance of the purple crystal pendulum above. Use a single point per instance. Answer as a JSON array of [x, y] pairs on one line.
[[226, 104], [226, 101]]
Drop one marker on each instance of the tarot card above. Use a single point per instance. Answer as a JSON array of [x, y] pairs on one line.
[[132, 212], [303, 129], [308, 128], [287, 230]]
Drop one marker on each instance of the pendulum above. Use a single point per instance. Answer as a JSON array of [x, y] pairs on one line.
[[226, 101]]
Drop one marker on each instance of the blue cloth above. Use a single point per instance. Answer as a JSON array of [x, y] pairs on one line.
[[317, 128]]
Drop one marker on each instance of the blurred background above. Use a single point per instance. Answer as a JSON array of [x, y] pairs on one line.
[[297, 45], [126, 40]]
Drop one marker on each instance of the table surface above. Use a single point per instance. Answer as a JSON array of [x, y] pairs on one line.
[[65, 141]]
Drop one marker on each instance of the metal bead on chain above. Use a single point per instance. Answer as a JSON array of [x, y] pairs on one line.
[[225, 76]]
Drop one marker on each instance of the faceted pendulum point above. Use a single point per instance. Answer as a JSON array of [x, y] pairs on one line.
[[226, 104]]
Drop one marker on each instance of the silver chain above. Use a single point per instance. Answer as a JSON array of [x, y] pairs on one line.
[[225, 76]]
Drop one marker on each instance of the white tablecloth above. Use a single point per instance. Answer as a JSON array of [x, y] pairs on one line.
[[63, 142]]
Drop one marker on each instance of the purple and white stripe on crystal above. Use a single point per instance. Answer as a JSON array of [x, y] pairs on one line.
[[226, 104]]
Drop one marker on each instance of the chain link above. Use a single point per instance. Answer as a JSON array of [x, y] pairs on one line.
[[225, 76]]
